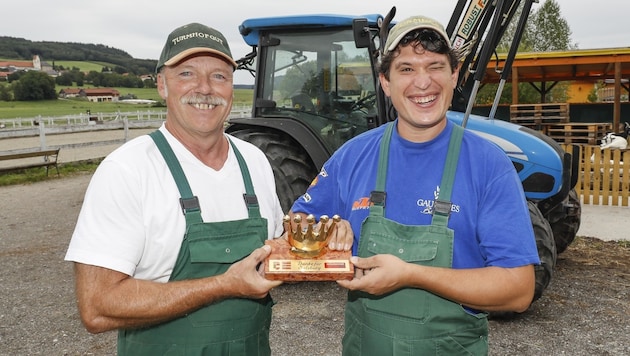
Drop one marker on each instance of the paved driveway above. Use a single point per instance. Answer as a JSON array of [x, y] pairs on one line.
[[605, 222]]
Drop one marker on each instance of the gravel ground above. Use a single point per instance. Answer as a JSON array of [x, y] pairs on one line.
[[585, 310]]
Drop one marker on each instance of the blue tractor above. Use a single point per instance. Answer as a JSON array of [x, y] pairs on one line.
[[316, 86]]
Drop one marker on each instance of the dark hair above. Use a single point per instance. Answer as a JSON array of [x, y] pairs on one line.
[[430, 40]]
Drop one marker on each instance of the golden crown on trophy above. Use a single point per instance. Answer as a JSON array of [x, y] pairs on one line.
[[310, 240]]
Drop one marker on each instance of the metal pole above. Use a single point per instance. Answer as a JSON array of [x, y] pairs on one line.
[[126, 127], [42, 134], [497, 98]]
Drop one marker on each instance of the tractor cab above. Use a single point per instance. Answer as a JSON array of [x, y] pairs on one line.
[[314, 75]]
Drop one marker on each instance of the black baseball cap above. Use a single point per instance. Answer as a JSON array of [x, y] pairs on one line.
[[190, 39]]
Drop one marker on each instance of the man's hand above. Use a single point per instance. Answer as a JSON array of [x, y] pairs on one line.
[[342, 238], [342, 235], [247, 279], [377, 275]]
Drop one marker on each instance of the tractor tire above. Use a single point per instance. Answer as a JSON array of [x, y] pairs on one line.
[[565, 221], [547, 254], [292, 167], [546, 246]]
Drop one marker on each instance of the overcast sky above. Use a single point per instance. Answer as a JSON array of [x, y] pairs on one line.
[[140, 27]]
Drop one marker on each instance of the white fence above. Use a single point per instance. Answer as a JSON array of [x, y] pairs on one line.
[[82, 136], [9, 125], [85, 118]]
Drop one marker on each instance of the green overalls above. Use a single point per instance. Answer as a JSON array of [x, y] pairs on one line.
[[411, 321], [229, 327]]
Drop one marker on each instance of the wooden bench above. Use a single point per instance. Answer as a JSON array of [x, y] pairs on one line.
[[49, 159]]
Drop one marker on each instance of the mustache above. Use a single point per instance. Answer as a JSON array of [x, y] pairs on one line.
[[203, 99]]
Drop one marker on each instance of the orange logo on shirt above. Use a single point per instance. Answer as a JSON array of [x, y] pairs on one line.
[[362, 203]]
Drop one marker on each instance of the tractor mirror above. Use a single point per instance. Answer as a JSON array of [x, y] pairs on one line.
[[361, 33]]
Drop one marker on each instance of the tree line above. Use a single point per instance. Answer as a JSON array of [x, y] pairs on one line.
[[22, 49]]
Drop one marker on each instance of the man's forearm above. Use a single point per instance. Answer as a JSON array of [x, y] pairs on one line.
[[131, 303], [488, 289]]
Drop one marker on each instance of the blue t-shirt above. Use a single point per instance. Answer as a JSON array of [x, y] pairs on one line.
[[489, 213]]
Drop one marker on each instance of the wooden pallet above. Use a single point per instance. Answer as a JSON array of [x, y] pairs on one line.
[[577, 132], [536, 115]]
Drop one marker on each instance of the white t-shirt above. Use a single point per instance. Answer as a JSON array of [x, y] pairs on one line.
[[131, 220]]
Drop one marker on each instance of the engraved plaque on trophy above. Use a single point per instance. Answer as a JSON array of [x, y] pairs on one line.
[[305, 256]]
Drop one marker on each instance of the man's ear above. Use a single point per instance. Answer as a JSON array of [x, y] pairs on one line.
[[455, 75], [384, 84], [161, 86]]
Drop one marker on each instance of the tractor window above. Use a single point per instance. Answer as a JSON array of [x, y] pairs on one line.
[[320, 78]]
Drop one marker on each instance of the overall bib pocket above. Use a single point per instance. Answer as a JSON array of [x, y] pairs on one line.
[[413, 244], [222, 249], [213, 250]]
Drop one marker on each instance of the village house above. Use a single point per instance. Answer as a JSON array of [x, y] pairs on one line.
[[15, 65], [11, 66], [96, 95]]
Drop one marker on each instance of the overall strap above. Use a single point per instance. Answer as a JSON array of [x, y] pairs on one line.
[[442, 205], [253, 209], [189, 203], [378, 196]]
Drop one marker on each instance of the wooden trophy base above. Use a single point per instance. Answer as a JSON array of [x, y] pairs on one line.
[[283, 265]]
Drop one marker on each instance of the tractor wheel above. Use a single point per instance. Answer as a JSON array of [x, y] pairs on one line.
[[292, 166], [565, 221], [546, 252], [546, 249]]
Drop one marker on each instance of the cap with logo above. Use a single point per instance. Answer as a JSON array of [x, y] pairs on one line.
[[191, 39], [409, 24]]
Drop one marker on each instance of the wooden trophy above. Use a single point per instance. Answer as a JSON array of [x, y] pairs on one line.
[[305, 256]]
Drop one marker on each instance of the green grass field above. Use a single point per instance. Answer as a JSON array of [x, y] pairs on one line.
[[60, 107], [84, 66]]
